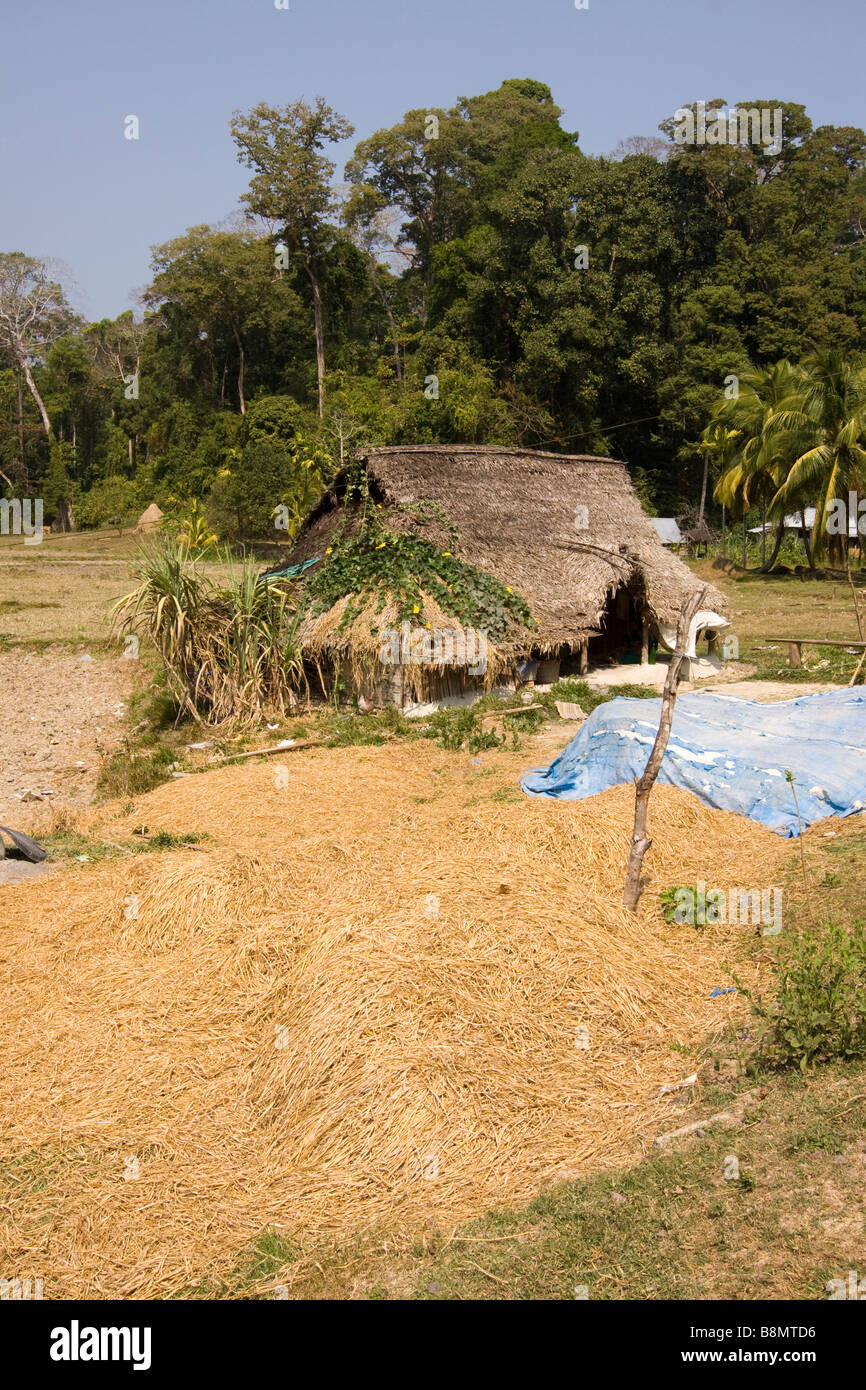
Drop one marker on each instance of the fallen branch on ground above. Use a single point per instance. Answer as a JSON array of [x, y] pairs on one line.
[[277, 748]]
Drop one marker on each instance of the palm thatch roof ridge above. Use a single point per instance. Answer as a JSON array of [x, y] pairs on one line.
[[563, 530]]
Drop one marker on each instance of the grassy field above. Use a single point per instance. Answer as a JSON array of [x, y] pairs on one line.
[[62, 592], [763, 606]]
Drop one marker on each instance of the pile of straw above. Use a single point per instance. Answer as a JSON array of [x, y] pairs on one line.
[[365, 1005]]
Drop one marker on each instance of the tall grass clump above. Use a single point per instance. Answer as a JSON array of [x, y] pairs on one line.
[[229, 650]]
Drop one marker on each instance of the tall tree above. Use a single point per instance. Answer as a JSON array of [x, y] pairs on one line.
[[33, 313], [754, 449], [223, 277], [291, 186]]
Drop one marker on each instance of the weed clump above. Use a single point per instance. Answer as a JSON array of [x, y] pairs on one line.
[[818, 1010]]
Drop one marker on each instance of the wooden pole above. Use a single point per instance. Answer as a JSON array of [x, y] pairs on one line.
[[853, 680], [640, 842], [857, 614]]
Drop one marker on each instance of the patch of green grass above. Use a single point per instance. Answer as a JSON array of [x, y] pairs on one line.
[[853, 844], [818, 1136], [507, 794], [132, 772], [344, 730], [576, 691], [156, 705], [838, 671], [35, 1170], [14, 605], [38, 645], [258, 1263], [66, 845], [266, 1256], [454, 729], [165, 839]]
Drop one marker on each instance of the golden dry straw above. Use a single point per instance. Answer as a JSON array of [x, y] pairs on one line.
[[366, 1006]]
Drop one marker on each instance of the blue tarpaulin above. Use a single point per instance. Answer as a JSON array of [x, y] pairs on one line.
[[731, 753], [293, 572]]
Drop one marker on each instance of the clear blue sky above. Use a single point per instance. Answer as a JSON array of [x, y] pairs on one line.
[[75, 190]]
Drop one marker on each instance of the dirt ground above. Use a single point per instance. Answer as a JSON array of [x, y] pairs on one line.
[[63, 681], [61, 714]]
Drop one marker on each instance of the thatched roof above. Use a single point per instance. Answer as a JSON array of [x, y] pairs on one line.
[[699, 534], [563, 530]]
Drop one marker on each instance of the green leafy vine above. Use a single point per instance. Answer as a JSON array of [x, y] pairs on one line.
[[402, 566]]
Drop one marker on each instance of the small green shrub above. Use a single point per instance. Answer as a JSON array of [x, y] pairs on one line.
[[454, 729], [818, 1013], [695, 908]]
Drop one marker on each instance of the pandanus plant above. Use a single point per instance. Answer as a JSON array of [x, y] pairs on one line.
[[230, 651]]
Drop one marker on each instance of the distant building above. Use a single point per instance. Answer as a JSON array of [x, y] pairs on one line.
[[669, 532], [798, 521]]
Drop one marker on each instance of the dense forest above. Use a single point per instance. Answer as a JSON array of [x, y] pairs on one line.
[[474, 278]]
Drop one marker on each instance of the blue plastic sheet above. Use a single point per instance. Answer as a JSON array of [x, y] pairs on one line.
[[293, 572], [732, 753]]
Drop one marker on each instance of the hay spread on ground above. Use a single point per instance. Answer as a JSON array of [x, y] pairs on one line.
[[364, 1005]]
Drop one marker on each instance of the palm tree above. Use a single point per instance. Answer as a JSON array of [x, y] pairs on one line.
[[717, 443], [758, 451], [824, 424]]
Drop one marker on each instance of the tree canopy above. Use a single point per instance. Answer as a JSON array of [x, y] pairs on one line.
[[476, 277]]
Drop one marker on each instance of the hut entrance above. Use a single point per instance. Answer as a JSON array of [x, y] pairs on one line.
[[622, 634]]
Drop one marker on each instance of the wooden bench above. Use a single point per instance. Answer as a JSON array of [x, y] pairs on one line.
[[796, 644]]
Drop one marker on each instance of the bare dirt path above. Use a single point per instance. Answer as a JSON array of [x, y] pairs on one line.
[[766, 690], [60, 715]]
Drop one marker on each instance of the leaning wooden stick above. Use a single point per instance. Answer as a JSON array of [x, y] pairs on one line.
[[644, 784]]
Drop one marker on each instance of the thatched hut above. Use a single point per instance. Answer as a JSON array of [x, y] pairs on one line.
[[149, 519], [565, 531], [698, 537]]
